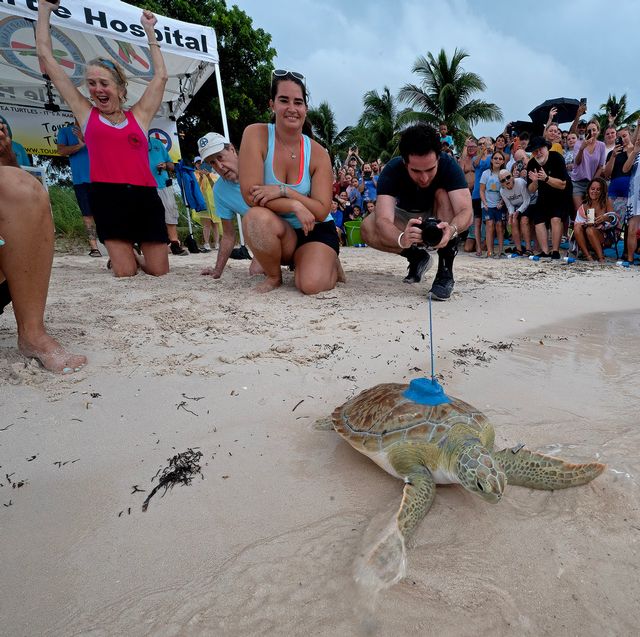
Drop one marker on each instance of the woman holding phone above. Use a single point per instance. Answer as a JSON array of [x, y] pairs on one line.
[[124, 200], [593, 217], [589, 160]]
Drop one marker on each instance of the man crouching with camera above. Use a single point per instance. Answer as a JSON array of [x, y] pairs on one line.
[[423, 201]]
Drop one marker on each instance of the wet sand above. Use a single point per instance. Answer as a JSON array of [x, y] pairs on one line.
[[266, 541]]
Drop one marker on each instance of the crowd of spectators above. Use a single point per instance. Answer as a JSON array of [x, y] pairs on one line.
[[538, 190]]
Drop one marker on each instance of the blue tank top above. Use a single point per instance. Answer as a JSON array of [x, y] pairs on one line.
[[304, 178]]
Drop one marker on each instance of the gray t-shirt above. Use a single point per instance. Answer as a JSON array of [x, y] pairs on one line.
[[518, 197]]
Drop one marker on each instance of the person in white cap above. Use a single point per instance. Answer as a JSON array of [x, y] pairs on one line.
[[220, 154]]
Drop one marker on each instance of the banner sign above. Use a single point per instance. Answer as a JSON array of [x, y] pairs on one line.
[[83, 30], [121, 21]]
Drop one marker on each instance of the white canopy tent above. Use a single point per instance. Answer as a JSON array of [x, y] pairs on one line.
[[82, 30]]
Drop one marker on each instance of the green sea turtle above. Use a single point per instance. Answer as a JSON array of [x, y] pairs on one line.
[[425, 445]]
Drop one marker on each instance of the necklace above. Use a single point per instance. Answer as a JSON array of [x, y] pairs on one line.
[[291, 152], [118, 117]]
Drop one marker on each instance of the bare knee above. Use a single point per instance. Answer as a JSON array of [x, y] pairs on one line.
[[316, 282], [123, 271]]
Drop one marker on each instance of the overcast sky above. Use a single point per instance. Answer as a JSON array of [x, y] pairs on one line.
[[526, 52]]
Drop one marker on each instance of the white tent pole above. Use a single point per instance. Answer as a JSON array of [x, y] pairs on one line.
[[225, 129], [223, 110]]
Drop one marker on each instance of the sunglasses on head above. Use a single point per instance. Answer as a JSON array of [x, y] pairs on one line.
[[504, 180], [286, 72]]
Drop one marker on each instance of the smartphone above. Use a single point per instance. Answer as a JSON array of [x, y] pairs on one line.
[[614, 109], [618, 141], [583, 100]]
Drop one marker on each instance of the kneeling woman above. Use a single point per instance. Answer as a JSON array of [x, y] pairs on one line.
[[123, 196], [286, 178], [589, 232]]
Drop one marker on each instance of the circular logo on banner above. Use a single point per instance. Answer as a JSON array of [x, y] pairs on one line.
[[161, 135], [135, 59], [17, 47]]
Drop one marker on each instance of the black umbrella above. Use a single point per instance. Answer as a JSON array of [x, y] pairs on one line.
[[567, 109], [532, 129]]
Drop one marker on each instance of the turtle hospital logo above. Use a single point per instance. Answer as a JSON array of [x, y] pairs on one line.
[[18, 48]]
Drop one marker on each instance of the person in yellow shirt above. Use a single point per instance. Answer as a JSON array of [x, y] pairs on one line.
[[208, 219]]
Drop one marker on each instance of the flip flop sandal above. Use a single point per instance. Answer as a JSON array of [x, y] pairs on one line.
[[95, 253]]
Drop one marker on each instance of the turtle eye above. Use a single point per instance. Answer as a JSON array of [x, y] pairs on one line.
[[479, 485]]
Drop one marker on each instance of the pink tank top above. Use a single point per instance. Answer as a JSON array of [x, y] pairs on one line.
[[118, 155]]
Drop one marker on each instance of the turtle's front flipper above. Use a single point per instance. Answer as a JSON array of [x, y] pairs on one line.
[[323, 424], [384, 564], [538, 471]]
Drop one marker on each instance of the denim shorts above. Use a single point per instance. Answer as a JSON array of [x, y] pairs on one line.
[[492, 214]]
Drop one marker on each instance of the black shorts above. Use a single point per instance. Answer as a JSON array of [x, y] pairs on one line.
[[82, 195], [5, 297], [128, 213], [323, 232], [477, 208], [544, 214]]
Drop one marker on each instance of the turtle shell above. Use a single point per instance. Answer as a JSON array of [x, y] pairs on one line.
[[381, 416]]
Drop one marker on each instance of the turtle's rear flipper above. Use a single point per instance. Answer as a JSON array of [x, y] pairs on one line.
[[537, 471]]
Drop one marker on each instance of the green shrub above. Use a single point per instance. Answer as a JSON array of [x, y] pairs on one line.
[[66, 213]]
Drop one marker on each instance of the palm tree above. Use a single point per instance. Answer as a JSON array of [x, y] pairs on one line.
[[444, 95], [618, 106], [323, 123], [376, 134]]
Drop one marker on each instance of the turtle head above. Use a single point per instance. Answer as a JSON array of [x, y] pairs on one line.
[[479, 473]]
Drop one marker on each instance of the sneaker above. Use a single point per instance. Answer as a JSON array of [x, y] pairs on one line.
[[442, 284], [178, 250], [555, 254], [205, 248], [419, 262]]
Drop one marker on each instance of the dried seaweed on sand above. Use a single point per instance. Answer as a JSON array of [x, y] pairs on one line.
[[183, 467]]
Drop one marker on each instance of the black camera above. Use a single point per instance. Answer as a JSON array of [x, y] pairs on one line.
[[431, 234]]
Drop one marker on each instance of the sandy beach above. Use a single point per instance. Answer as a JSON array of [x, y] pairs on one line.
[[264, 540]]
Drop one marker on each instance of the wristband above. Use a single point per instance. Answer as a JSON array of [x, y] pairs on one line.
[[399, 240], [153, 44], [283, 191], [455, 233]]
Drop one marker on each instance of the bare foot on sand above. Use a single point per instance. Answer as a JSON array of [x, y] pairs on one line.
[[268, 285], [255, 267], [342, 277], [52, 355]]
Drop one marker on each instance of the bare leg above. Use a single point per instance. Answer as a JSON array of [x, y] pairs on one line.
[[542, 237], [217, 231], [632, 237], [489, 225], [556, 233], [25, 262], [581, 240], [90, 227], [526, 231], [123, 258], [477, 228], [272, 241], [156, 259], [172, 231], [206, 230], [316, 268], [515, 232], [500, 231], [596, 239]]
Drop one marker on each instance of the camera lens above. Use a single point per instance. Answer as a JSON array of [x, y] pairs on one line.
[[431, 234]]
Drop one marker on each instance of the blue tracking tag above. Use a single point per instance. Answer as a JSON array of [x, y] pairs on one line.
[[426, 391]]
